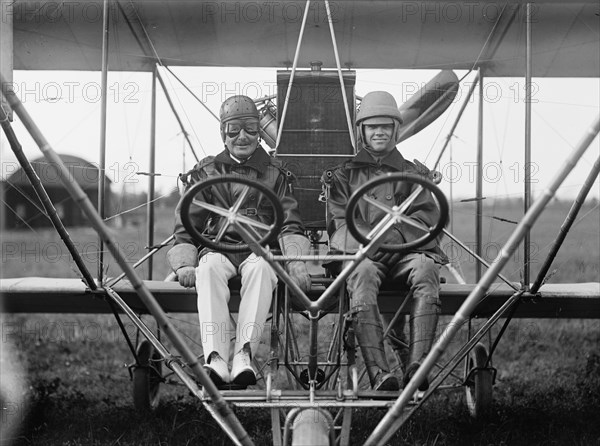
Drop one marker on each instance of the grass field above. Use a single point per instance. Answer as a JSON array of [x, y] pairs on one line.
[[76, 387]]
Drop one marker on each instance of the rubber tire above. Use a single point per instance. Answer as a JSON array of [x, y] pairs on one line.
[[146, 379], [311, 427], [479, 392]]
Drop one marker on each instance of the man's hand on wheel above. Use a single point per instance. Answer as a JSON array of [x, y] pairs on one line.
[[186, 276], [299, 274]]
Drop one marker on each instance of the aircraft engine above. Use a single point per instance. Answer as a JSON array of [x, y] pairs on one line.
[[268, 122]]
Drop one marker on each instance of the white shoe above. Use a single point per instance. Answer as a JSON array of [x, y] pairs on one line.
[[242, 372], [217, 369]]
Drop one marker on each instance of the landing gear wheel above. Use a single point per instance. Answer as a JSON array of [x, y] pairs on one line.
[[397, 212], [478, 389], [195, 196], [147, 376], [313, 427]]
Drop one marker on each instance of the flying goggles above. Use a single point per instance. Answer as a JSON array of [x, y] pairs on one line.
[[233, 129]]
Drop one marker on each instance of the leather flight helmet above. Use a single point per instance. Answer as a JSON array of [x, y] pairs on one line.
[[378, 104], [378, 107], [236, 107]]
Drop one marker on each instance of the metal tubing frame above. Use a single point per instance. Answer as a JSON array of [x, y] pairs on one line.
[[294, 66], [460, 355], [102, 147], [314, 308], [479, 259], [144, 294], [479, 180], [170, 361], [57, 222], [290, 343], [153, 251], [313, 336], [274, 345], [298, 294], [527, 161], [289, 419], [341, 77], [493, 345], [566, 226], [273, 363], [387, 426], [45, 199], [511, 303], [152, 171]]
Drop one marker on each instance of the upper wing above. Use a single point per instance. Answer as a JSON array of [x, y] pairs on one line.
[[370, 34]]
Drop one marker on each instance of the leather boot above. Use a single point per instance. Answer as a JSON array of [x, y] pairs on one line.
[[398, 340], [369, 334], [423, 324]]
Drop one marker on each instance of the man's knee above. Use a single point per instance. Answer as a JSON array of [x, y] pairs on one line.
[[366, 270], [258, 268], [364, 283], [424, 269], [212, 266]]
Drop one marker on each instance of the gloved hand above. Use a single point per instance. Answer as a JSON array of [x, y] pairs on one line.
[[186, 275], [343, 241], [299, 274], [389, 259], [183, 254], [294, 245], [393, 236]]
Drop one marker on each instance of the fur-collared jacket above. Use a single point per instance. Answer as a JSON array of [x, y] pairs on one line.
[[259, 167], [342, 181]]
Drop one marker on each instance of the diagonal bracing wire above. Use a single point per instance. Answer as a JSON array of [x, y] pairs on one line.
[[192, 93], [9, 207], [341, 77], [169, 100], [294, 67]]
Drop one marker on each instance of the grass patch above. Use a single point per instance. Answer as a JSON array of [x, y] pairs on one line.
[[77, 389], [78, 392]]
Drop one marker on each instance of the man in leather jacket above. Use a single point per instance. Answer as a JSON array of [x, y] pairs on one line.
[[210, 271], [378, 121]]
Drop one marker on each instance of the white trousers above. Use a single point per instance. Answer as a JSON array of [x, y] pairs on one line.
[[216, 327]]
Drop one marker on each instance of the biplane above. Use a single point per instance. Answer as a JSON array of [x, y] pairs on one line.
[[318, 48]]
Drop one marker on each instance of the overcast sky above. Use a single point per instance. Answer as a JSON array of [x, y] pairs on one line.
[[66, 106]]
